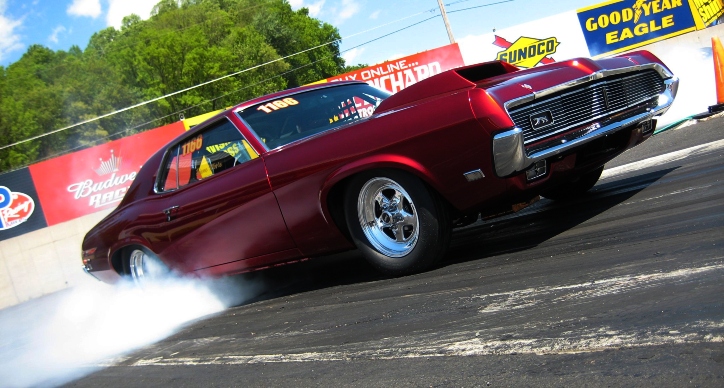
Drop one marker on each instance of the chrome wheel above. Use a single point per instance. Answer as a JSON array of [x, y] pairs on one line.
[[145, 268], [388, 217]]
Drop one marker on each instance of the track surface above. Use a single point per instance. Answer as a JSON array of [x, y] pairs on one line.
[[622, 287]]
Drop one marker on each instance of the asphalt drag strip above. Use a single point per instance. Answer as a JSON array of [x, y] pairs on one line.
[[621, 287], [488, 342]]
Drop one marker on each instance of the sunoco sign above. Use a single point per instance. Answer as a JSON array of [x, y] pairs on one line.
[[527, 52]]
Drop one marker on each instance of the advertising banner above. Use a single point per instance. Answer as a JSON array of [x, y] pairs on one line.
[[706, 12], [94, 179], [617, 26], [539, 42], [398, 74], [20, 210]]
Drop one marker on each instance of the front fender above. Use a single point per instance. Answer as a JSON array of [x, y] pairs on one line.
[[374, 162]]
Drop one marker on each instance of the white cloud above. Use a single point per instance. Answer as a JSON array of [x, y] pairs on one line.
[[118, 9], [346, 10], [314, 8], [351, 55], [56, 31], [89, 8], [9, 38], [375, 14]]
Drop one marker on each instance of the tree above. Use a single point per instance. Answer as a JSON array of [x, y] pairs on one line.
[[258, 46]]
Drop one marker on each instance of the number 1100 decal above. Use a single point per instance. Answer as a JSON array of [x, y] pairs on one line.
[[277, 105]]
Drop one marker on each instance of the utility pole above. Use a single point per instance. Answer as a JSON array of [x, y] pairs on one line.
[[447, 23]]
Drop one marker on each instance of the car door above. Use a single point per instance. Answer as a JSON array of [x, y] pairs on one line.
[[216, 201]]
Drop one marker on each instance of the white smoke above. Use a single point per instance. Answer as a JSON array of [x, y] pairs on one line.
[[65, 336]]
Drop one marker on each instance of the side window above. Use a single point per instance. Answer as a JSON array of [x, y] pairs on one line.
[[218, 148]]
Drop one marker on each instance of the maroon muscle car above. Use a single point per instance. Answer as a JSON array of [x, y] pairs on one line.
[[333, 167]]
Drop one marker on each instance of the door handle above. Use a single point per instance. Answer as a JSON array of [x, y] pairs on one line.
[[171, 212]]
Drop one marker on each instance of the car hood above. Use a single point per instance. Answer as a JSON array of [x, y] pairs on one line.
[[505, 82]]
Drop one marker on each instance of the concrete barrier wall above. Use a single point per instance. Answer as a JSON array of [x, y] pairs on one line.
[[44, 261]]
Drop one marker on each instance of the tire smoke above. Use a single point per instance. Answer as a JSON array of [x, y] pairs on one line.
[[65, 336]]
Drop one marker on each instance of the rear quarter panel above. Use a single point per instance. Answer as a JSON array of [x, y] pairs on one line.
[[437, 140]]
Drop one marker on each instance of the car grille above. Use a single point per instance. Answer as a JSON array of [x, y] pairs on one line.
[[584, 104]]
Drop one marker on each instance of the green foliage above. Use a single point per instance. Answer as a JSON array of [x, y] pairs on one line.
[[184, 43]]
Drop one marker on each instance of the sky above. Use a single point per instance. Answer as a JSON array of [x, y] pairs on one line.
[[60, 24]]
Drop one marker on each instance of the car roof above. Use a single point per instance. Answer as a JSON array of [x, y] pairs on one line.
[[292, 91], [268, 97]]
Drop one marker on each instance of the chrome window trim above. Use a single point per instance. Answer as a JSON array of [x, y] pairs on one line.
[[253, 132]]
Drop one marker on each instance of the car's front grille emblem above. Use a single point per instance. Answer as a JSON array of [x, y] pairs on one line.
[[541, 119]]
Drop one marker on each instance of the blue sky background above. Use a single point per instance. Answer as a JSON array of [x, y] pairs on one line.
[[59, 24]]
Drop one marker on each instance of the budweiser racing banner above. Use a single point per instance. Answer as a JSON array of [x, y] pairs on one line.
[[396, 75], [97, 178], [20, 210]]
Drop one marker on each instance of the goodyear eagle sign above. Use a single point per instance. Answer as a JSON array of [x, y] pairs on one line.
[[620, 25]]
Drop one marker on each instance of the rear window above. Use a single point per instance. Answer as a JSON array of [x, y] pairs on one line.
[[295, 117], [218, 148]]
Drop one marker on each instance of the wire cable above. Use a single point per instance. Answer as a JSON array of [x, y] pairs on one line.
[[479, 6], [101, 53], [176, 113], [205, 83], [252, 68]]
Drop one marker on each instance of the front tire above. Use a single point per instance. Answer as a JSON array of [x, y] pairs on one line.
[[575, 188], [396, 221]]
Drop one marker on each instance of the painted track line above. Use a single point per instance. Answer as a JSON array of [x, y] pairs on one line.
[[489, 342], [665, 158]]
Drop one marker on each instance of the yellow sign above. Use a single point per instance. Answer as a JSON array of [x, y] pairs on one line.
[[706, 12], [621, 25], [527, 52], [196, 120]]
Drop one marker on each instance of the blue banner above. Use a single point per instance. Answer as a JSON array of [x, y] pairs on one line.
[[20, 210], [620, 25]]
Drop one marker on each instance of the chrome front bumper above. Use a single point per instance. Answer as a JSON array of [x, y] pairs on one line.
[[511, 157]]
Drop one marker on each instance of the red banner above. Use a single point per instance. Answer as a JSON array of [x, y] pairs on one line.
[[396, 75], [94, 179]]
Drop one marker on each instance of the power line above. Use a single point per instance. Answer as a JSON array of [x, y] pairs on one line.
[[249, 69], [478, 6], [200, 85], [176, 113], [101, 53]]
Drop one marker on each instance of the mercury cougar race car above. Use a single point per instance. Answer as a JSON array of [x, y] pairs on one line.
[[327, 168]]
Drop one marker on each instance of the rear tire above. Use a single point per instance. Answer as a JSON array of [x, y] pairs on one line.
[[396, 221], [575, 188], [143, 267]]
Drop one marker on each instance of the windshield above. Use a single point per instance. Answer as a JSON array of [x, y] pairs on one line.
[[297, 116]]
